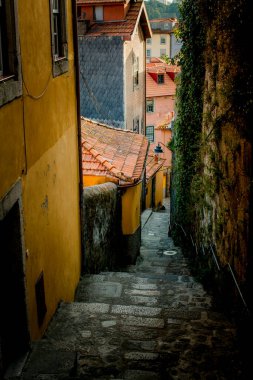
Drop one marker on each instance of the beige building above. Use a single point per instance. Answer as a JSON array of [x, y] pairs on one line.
[[161, 42], [113, 62]]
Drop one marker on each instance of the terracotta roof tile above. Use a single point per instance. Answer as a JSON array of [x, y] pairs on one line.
[[124, 28], [153, 165], [153, 88], [122, 157]]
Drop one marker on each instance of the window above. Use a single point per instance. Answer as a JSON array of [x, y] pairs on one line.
[[160, 78], [162, 40], [98, 13], [136, 125], [150, 133], [150, 105], [162, 52], [59, 37], [10, 66], [136, 70], [148, 53], [149, 40]]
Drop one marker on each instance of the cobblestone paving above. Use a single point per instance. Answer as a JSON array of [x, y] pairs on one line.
[[152, 321]]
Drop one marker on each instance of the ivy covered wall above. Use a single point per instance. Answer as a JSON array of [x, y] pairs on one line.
[[212, 175]]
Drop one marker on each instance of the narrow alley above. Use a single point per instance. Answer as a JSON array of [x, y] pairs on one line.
[[151, 321]]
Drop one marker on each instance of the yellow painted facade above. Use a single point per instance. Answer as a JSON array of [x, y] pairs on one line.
[[131, 201], [40, 135], [158, 196], [159, 188], [131, 212]]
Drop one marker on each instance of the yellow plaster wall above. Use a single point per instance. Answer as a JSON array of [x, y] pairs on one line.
[[39, 144], [131, 201], [159, 188], [148, 194], [11, 144], [52, 228], [96, 180]]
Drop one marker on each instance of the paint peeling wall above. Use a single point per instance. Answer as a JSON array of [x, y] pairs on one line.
[[101, 228]]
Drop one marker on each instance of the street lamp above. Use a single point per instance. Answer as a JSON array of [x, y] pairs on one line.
[[158, 149]]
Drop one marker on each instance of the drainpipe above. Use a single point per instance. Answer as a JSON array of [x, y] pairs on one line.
[[76, 60]]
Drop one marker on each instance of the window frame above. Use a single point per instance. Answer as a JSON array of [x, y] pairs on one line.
[[163, 53], [161, 40], [96, 7], [10, 76], [135, 71], [149, 134], [149, 41], [148, 106], [59, 38], [148, 55], [160, 76]]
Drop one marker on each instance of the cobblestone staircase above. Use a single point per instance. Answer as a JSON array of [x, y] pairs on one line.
[[151, 321]]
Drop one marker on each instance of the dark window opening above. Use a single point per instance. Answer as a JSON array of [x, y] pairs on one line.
[[160, 78], [40, 299], [59, 36], [8, 45], [150, 105], [14, 334]]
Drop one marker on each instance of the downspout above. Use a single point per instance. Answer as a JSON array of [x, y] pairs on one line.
[[77, 79]]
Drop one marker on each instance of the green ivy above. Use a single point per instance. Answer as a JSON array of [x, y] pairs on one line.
[[187, 130]]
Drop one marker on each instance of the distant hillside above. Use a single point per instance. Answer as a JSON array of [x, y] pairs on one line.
[[156, 9]]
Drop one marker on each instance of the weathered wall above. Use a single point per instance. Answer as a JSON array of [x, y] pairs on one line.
[[101, 226], [134, 95], [40, 146], [218, 206], [226, 150], [101, 79]]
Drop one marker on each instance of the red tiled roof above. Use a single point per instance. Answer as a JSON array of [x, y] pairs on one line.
[[153, 165], [111, 152], [155, 67], [124, 28]]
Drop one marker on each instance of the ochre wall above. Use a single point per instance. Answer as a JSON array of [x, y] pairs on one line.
[[130, 203], [96, 180], [148, 194], [159, 188], [41, 147], [131, 212], [12, 154]]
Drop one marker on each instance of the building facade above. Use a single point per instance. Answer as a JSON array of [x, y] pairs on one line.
[[39, 169], [160, 109], [112, 47], [164, 40]]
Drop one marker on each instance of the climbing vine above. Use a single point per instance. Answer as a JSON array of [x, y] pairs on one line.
[[186, 140]]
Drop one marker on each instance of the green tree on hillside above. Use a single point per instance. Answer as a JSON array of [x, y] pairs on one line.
[[156, 9]]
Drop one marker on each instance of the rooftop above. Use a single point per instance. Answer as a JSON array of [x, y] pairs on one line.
[[153, 165], [111, 152], [125, 28]]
